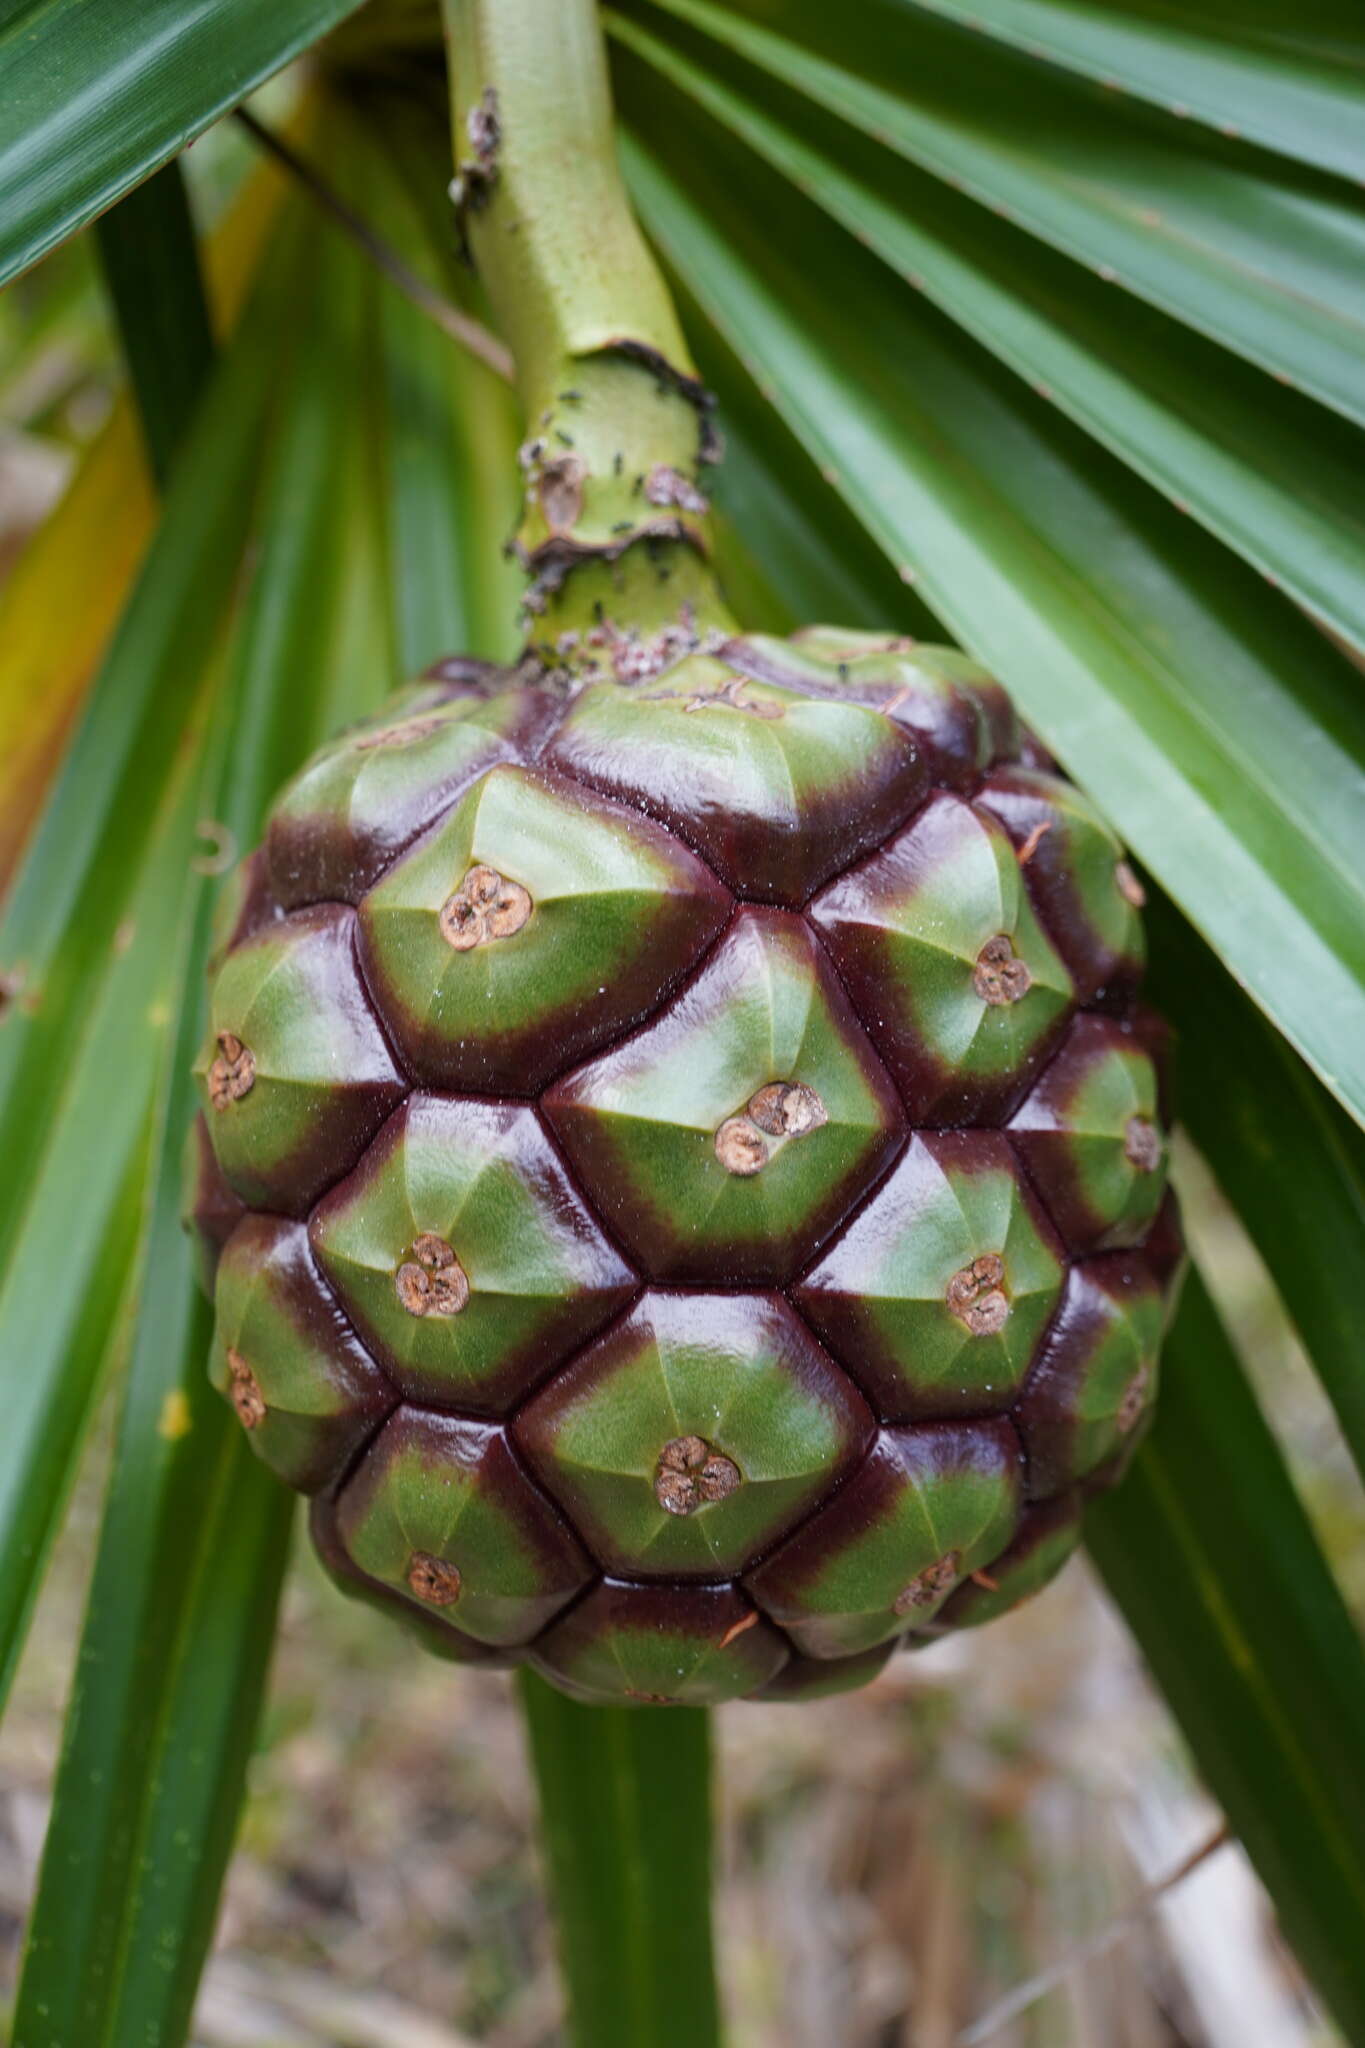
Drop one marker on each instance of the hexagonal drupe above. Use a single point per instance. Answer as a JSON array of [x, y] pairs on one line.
[[1095, 1381], [1074, 867], [691, 1436], [304, 1389], [778, 790], [440, 1512], [689, 1646], [209, 1209], [928, 1507], [730, 1136], [1089, 1135], [431, 1626], [366, 795], [818, 1678], [959, 716], [463, 1254], [295, 1076], [529, 925], [962, 990], [937, 1294], [1049, 1532]]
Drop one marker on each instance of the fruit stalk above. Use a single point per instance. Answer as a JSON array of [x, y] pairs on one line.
[[615, 526]]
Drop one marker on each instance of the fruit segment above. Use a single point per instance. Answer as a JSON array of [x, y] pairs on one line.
[[464, 1256], [534, 922], [1090, 1137], [687, 1646], [1093, 1387], [817, 1678], [1048, 1534], [440, 1512], [295, 1075], [1084, 889], [363, 798], [777, 790], [209, 1210], [924, 1510], [304, 1389], [938, 945], [937, 1294], [938, 694], [694, 1434], [727, 1139]]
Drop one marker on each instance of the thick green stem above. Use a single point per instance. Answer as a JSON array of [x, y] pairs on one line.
[[626, 1829], [615, 524]]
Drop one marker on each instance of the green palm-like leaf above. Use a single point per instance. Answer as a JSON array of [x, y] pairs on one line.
[[1212, 1561], [98, 94], [1288, 1159], [1288, 78], [1269, 472], [1264, 258]]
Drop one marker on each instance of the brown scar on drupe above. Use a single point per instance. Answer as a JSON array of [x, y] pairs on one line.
[[486, 906], [233, 1073], [1034, 841], [927, 1586], [244, 1391], [737, 1628], [787, 1109], [985, 1581], [1134, 1399], [999, 976], [404, 735], [780, 1110], [432, 1282], [433, 1580], [1129, 887], [691, 1475], [1142, 1144], [976, 1295]]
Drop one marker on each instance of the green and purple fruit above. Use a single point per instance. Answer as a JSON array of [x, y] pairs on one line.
[[683, 1162]]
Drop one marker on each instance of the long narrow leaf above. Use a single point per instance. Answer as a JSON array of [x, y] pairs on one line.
[[99, 95], [159, 1745], [61, 602], [1267, 259], [1287, 1158], [1269, 472], [1217, 728], [1295, 82], [93, 927], [163, 317], [1210, 1557], [626, 1826]]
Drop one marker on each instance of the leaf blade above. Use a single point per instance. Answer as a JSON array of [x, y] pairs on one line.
[[1208, 1553], [1268, 472], [100, 95]]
